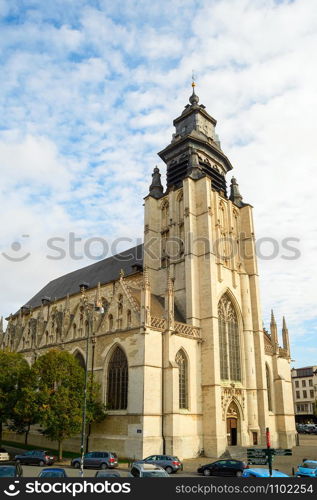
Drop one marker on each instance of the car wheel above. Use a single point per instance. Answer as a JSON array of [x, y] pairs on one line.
[[41, 463], [207, 472], [169, 469], [76, 465], [238, 473], [103, 466]]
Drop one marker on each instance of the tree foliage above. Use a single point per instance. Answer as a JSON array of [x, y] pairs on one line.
[[14, 375], [60, 381]]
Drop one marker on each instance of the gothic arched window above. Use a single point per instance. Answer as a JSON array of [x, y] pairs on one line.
[[117, 394], [164, 215], [229, 341], [80, 358], [129, 320], [110, 319], [182, 379], [269, 388]]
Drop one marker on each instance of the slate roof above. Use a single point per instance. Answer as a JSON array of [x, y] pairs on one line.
[[102, 271]]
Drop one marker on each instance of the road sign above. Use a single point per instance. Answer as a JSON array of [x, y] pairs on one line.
[[257, 461], [282, 451], [256, 453]]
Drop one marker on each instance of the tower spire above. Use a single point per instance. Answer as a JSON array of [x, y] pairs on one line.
[[274, 334], [285, 337], [194, 99]]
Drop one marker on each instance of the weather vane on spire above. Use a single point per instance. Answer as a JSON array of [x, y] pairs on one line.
[[194, 99], [193, 79]]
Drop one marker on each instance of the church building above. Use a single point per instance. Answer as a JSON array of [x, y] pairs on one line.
[[174, 326]]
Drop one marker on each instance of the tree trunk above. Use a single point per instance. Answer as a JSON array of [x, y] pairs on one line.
[[1, 432], [60, 451], [26, 435]]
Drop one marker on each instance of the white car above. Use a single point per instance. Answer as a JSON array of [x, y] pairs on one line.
[[147, 470], [4, 455]]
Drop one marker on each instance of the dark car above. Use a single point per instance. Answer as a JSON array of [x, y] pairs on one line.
[[53, 472], [35, 457], [168, 462], [223, 468], [107, 473], [97, 459], [10, 469]]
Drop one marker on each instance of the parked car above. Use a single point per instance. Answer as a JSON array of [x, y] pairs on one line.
[[168, 462], [306, 428], [4, 455], [11, 469], [263, 473], [35, 457], [53, 472], [107, 473], [147, 470], [97, 459], [307, 469], [223, 468]]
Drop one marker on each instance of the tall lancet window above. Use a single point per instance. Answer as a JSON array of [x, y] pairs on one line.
[[269, 388], [229, 341], [182, 379], [117, 395]]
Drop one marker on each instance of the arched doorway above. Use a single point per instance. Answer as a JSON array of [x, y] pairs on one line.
[[232, 424]]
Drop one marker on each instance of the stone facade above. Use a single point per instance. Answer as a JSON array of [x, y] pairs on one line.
[[195, 301]]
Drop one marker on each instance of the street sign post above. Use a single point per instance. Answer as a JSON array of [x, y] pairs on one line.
[[264, 456]]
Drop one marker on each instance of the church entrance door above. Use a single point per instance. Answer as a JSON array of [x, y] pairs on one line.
[[232, 427]]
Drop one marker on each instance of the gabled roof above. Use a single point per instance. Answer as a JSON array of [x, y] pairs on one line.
[[103, 271]]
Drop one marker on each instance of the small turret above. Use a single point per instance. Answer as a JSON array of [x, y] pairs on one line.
[[156, 188], [235, 195]]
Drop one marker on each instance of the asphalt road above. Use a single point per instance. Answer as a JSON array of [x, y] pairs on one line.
[[33, 471]]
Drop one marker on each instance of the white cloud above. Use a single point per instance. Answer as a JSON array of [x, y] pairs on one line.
[[89, 98]]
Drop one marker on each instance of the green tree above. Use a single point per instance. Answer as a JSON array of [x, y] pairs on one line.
[[14, 374], [60, 380], [26, 412]]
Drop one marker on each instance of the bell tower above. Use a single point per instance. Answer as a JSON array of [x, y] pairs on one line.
[[195, 146], [201, 238]]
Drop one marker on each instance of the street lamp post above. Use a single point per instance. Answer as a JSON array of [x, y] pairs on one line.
[[83, 288]]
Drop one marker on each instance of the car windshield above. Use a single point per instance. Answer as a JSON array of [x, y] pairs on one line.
[[7, 471], [154, 473], [310, 465]]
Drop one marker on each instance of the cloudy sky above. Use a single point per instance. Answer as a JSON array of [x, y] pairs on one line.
[[89, 89]]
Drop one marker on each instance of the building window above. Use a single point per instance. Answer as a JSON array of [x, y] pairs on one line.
[[110, 318], [310, 382], [182, 379], [129, 321], [297, 395], [269, 388], [296, 383], [117, 398], [164, 219], [298, 408], [303, 383], [311, 394], [304, 394], [229, 341]]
